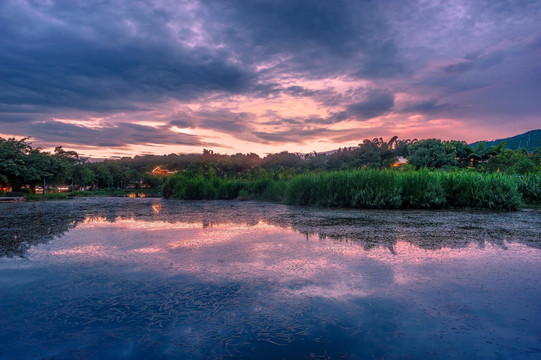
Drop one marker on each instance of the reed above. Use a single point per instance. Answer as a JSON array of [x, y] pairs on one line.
[[529, 187], [368, 189], [423, 189], [480, 190], [202, 188]]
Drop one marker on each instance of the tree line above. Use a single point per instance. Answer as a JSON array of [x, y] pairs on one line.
[[22, 165]]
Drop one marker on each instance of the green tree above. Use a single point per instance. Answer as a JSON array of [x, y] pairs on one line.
[[461, 150], [431, 153], [40, 167], [536, 157], [13, 161], [103, 177], [83, 175], [509, 161]]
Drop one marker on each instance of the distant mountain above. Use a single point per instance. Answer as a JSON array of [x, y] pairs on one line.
[[529, 140]]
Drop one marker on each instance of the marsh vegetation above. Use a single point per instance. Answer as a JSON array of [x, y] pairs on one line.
[[369, 189]]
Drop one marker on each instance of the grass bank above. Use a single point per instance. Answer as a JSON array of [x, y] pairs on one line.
[[370, 189], [90, 193]]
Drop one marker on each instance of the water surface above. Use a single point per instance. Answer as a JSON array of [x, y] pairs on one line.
[[150, 278]]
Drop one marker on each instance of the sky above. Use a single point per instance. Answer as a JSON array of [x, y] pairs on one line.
[[120, 78]]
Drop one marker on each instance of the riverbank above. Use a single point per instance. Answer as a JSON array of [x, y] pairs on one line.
[[94, 193]]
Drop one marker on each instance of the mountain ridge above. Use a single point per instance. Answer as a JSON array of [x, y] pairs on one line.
[[530, 140]]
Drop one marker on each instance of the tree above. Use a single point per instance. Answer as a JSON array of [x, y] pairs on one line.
[[461, 150], [103, 177], [13, 166], [283, 159], [83, 175], [509, 161], [536, 157], [431, 153]]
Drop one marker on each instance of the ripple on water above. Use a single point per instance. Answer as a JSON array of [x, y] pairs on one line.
[[141, 278]]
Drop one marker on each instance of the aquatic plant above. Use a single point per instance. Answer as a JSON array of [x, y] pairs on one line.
[[529, 186], [367, 189], [481, 190], [422, 189]]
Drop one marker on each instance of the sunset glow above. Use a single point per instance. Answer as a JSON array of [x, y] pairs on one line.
[[155, 77]]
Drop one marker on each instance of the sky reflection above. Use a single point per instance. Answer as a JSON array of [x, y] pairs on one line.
[[298, 264], [25, 225], [116, 278]]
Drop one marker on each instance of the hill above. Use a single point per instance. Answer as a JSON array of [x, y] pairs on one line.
[[529, 140]]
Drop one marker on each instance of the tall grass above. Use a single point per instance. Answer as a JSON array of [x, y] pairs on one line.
[[530, 188], [202, 188], [422, 189], [370, 189], [480, 190]]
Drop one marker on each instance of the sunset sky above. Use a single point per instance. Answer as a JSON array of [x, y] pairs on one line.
[[115, 78]]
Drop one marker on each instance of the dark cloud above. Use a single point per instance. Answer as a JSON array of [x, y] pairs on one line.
[[102, 58], [376, 103], [298, 135], [299, 91], [458, 67], [119, 135], [318, 38], [181, 123], [425, 106]]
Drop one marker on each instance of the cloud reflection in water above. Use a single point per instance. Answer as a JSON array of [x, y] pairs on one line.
[[224, 279]]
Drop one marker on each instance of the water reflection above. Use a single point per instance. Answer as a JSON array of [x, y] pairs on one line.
[[147, 278], [24, 225]]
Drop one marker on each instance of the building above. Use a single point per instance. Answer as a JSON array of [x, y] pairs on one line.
[[159, 171], [400, 161]]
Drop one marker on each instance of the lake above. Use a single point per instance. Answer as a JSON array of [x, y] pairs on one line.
[[121, 278]]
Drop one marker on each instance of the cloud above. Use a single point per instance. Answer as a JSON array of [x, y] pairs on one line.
[[458, 67], [298, 135], [105, 58], [118, 135], [312, 38], [264, 71], [375, 103], [424, 106]]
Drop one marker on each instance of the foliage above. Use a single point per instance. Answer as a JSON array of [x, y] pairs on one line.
[[204, 188], [530, 188], [55, 196], [474, 189], [422, 190], [433, 153], [368, 189], [516, 162], [20, 164], [360, 176], [13, 165]]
